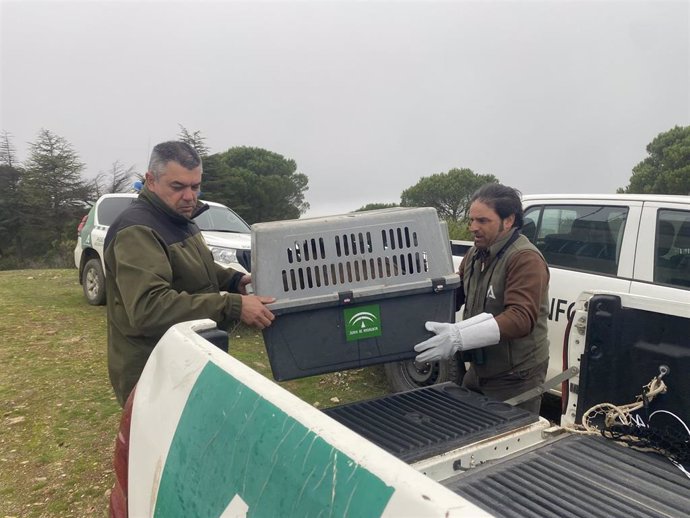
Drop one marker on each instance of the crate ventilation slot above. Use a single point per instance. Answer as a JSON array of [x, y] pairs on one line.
[[353, 247]]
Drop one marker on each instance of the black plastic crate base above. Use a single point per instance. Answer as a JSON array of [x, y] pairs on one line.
[[320, 340], [421, 423]]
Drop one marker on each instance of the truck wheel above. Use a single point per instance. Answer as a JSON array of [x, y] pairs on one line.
[[409, 375], [93, 282]]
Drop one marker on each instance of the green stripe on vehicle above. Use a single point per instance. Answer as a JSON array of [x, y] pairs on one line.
[[86, 229], [232, 444]]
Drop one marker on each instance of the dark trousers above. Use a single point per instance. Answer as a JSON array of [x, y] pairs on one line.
[[510, 384]]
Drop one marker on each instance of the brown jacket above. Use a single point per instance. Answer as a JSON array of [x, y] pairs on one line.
[[511, 283]]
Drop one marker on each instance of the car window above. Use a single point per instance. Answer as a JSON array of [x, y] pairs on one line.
[[672, 248], [221, 219], [110, 208], [580, 237]]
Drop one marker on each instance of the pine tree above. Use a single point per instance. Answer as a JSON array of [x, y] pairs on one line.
[[54, 191], [11, 223], [196, 140], [666, 170]]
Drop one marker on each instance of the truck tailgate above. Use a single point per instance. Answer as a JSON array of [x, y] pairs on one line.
[[578, 476]]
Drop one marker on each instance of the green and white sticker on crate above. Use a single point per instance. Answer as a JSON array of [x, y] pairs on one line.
[[362, 322]]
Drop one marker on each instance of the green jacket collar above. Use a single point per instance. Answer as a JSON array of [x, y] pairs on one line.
[[154, 199]]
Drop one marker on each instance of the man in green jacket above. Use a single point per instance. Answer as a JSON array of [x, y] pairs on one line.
[[159, 271], [505, 282]]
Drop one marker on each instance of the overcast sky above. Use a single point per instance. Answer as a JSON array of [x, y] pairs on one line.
[[366, 97]]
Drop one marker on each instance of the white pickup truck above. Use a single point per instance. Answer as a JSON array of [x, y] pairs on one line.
[[206, 436], [226, 234], [635, 243]]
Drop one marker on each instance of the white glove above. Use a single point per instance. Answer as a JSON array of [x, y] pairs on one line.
[[479, 331], [440, 347]]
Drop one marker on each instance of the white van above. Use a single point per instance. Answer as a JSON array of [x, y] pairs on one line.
[[226, 234]]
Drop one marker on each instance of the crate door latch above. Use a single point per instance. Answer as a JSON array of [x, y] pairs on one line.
[[438, 284], [345, 297]]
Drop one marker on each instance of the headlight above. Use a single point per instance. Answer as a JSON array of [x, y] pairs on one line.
[[224, 256]]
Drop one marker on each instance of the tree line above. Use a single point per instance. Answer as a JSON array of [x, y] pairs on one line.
[[43, 198], [666, 170]]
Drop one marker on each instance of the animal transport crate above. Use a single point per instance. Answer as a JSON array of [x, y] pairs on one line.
[[352, 290]]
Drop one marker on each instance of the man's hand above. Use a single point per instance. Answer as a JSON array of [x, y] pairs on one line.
[[440, 347], [242, 286], [254, 313]]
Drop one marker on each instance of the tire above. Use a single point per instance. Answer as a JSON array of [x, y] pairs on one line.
[[93, 282], [407, 375]]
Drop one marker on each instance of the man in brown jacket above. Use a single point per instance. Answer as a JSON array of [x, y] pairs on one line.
[[505, 283]]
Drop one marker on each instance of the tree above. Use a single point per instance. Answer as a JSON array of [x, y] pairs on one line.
[[195, 139], [54, 191], [8, 154], [376, 206], [449, 193], [117, 179], [667, 168], [258, 184], [11, 200]]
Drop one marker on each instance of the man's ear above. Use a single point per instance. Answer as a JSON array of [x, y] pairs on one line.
[[148, 177], [509, 222]]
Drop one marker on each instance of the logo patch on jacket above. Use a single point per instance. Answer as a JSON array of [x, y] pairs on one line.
[[490, 292]]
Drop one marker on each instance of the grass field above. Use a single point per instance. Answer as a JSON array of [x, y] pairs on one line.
[[59, 417]]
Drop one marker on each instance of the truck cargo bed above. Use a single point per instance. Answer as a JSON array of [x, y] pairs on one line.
[[421, 423], [578, 476]]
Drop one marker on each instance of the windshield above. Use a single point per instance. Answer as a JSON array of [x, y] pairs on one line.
[[110, 208], [221, 219]]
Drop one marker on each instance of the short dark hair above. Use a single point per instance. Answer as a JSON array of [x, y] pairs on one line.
[[173, 151], [503, 199]]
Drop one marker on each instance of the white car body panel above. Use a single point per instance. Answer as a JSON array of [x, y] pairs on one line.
[[331, 467]]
